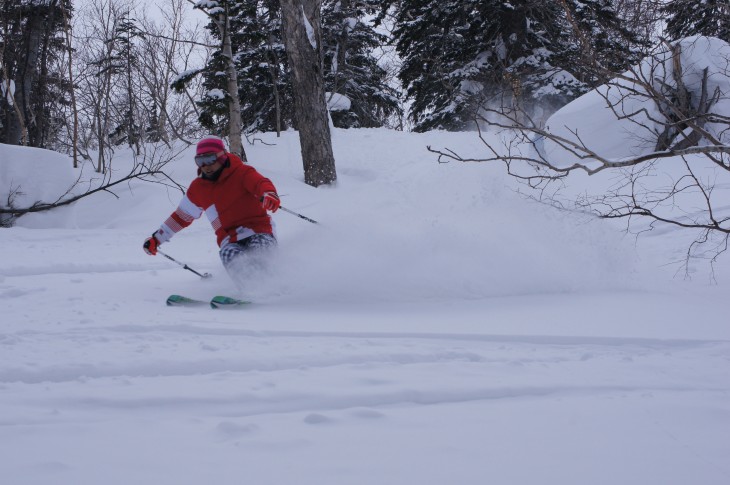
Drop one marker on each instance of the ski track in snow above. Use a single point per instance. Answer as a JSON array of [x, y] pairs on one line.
[[269, 373], [113, 368], [233, 371]]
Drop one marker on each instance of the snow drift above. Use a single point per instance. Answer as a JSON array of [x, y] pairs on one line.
[[624, 110], [30, 175]]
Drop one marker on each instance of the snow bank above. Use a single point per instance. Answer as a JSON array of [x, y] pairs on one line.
[[619, 119], [30, 175]]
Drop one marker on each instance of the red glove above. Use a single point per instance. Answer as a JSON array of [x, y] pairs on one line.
[[270, 201], [150, 245]]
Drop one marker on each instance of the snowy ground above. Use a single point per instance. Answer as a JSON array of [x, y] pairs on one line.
[[435, 328]]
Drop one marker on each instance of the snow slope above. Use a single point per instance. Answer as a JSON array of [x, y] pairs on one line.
[[434, 328]]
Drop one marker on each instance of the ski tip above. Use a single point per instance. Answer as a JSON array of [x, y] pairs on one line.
[[227, 302], [179, 300], [173, 299]]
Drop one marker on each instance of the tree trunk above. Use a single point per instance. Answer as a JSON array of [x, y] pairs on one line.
[[74, 109], [102, 118], [15, 132], [273, 72], [303, 41], [340, 60], [28, 73], [235, 126]]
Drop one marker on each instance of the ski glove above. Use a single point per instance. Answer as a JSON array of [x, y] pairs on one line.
[[150, 245], [270, 201]]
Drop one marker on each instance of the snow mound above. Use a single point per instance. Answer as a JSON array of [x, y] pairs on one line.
[[622, 110], [30, 175]]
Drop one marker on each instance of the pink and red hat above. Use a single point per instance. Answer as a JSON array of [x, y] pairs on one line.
[[210, 144]]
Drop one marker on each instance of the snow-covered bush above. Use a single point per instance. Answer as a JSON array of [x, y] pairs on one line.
[[30, 175]]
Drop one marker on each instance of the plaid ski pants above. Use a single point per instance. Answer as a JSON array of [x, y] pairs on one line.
[[252, 244]]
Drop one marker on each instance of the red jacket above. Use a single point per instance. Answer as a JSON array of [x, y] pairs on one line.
[[232, 204]]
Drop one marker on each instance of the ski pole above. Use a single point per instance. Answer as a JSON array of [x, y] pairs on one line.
[[185, 266], [298, 215]]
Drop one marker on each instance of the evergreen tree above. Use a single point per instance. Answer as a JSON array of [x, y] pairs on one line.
[[438, 60], [33, 87], [260, 58], [604, 46], [460, 55], [214, 104], [350, 68], [221, 103], [264, 85], [123, 61], [153, 131], [698, 17], [264, 80]]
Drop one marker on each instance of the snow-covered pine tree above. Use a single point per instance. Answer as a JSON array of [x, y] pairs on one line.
[[263, 78], [642, 17], [461, 55], [597, 44], [441, 67], [221, 103], [351, 70], [33, 84], [521, 43], [214, 105], [697, 17], [264, 89], [123, 61]]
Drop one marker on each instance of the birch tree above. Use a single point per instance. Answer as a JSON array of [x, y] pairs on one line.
[[219, 14], [31, 87]]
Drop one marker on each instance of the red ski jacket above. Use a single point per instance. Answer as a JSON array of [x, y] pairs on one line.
[[232, 204]]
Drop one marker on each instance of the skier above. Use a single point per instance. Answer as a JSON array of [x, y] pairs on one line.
[[234, 196]]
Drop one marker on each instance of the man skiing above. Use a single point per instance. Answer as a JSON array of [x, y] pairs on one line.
[[234, 197]]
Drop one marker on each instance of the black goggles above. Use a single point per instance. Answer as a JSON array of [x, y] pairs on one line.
[[206, 159]]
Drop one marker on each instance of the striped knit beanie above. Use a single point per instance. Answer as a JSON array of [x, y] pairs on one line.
[[210, 144]]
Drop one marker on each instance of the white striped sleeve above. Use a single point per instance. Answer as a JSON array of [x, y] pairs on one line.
[[183, 216]]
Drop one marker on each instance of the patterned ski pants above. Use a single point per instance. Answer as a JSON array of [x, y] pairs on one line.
[[248, 252]]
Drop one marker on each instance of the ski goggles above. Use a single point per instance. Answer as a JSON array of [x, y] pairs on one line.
[[206, 159]]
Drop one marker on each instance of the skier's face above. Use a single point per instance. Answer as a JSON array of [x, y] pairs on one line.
[[209, 163], [203, 159], [211, 169]]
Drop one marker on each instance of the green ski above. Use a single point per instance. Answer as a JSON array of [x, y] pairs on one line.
[[227, 302], [215, 302], [179, 300]]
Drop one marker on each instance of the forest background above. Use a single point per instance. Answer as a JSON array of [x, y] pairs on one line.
[[92, 76]]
